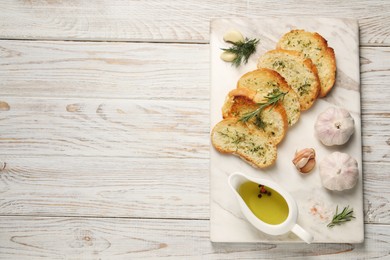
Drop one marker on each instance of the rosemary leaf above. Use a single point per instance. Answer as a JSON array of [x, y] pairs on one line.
[[242, 50], [272, 99], [344, 216]]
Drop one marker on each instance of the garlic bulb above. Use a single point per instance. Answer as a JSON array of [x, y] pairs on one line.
[[304, 160], [334, 126], [339, 171]]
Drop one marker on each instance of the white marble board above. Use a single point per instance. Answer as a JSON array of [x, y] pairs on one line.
[[315, 203]]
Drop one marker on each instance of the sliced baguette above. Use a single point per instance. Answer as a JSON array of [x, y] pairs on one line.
[[234, 137], [264, 81], [271, 121], [299, 73], [315, 47]]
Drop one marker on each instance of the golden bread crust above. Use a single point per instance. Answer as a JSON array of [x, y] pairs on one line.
[[273, 119], [299, 73], [231, 136], [315, 47], [264, 81]]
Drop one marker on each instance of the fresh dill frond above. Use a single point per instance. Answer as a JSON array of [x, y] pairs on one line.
[[242, 50]]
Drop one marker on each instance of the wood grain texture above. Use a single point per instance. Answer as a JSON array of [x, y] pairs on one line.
[[104, 70], [32, 238], [178, 21], [105, 187], [375, 75], [375, 194], [93, 127]]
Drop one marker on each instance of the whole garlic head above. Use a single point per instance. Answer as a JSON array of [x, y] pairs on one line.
[[334, 126], [339, 171]]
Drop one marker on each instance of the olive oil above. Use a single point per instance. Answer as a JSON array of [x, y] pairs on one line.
[[267, 204]]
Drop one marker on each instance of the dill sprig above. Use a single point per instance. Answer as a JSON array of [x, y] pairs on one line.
[[272, 99], [342, 217], [242, 50]]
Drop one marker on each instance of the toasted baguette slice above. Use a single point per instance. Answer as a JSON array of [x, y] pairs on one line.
[[271, 121], [232, 136], [315, 47], [264, 81], [299, 73]]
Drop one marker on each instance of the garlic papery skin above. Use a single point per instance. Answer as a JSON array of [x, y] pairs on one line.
[[334, 126], [339, 171], [304, 160]]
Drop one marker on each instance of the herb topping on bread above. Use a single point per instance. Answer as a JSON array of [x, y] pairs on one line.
[[315, 47], [270, 121], [264, 81], [299, 73], [234, 137]]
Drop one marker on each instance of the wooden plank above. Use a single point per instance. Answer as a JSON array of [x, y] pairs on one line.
[[100, 186], [93, 127], [134, 187], [104, 70], [375, 74], [100, 238], [376, 196], [177, 21]]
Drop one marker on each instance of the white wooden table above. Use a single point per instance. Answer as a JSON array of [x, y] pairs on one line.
[[104, 129]]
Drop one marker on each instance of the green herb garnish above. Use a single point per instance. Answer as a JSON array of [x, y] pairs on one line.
[[272, 99], [302, 90], [260, 123], [242, 50], [342, 217], [307, 44], [279, 64]]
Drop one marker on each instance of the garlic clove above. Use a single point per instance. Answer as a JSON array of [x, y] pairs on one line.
[[304, 160], [233, 36], [309, 166], [228, 56]]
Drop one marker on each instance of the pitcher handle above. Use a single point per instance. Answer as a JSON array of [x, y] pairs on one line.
[[302, 234]]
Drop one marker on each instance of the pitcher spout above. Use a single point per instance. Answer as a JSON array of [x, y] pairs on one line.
[[235, 180]]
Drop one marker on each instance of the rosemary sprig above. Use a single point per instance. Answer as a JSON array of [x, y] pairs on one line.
[[242, 50], [342, 217], [272, 99]]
